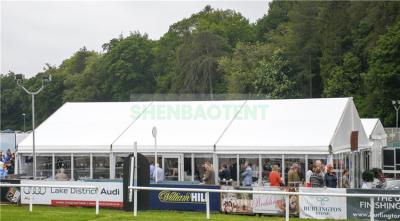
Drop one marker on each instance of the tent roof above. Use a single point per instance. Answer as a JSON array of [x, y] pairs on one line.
[[252, 126], [373, 128]]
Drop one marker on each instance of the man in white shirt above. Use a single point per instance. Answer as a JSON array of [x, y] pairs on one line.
[[159, 172]]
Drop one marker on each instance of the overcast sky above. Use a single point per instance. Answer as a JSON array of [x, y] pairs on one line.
[[34, 33]]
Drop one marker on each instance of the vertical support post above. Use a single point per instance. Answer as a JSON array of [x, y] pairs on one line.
[[260, 169], [283, 169], [131, 169], [91, 165], [156, 158], [372, 209], [135, 202], [97, 202], [215, 166], [112, 165], [53, 166], [30, 199], [237, 170], [33, 137], [192, 166], [287, 207], [72, 166], [135, 181], [208, 205]]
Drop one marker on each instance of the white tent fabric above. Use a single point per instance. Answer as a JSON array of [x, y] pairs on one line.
[[186, 126], [296, 126], [377, 137], [252, 126], [81, 127]]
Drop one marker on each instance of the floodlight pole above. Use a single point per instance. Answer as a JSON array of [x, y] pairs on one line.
[[33, 122], [24, 121], [396, 105]]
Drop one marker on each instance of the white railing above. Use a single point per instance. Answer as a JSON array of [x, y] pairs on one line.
[[31, 186], [281, 193]]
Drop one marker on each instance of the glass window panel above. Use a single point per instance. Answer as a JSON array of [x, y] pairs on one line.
[[397, 156], [119, 166], [199, 167], [187, 167], [101, 167], [44, 166], [81, 167], [268, 163], [254, 166], [289, 163], [171, 169], [229, 172], [63, 167], [388, 157]]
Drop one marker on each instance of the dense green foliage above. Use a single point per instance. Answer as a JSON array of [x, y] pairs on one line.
[[297, 50]]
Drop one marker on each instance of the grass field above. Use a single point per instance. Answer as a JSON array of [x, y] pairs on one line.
[[47, 213]]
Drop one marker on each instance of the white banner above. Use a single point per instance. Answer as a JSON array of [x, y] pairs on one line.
[[323, 207], [109, 194], [269, 204]]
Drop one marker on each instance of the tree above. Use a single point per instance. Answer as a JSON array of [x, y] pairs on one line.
[[239, 69], [272, 77], [383, 78], [197, 61], [345, 80]]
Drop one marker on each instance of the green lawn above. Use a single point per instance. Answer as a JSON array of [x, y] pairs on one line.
[[47, 213]]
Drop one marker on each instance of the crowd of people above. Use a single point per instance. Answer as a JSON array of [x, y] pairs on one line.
[[7, 163], [318, 175]]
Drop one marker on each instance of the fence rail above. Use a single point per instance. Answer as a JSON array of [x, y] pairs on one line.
[[280, 193], [31, 186]]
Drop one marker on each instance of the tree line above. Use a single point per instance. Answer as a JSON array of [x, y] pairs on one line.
[[296, 50]]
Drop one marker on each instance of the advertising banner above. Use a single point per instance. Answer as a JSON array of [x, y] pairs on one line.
[[109, 194], [236, 203], [10, 194], [386, 207], [184, 201], [268, 204], [322, 207]]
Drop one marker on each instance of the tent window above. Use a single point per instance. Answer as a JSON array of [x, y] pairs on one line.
[[44, 167], [81, 167], [199, 167], [388, 159], [119, 165], [254, 166], [63, 167], [101, 167], [268, 163], [231, 169]]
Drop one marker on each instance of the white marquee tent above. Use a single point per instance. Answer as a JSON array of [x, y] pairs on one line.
[[377, 136], [258, 127]]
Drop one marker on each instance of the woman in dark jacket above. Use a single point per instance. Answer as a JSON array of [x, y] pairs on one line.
[[330, 177]]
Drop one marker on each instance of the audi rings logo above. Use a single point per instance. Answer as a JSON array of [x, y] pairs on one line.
[[322, 200], [35, 190]]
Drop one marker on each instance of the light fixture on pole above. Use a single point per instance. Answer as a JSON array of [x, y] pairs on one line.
[[396, 105], [23, 114], [154, 133], [19, 78]]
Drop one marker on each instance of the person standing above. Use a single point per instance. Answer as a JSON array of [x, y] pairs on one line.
[[293, 176], [308, 175], [316, 178], [247, 174], [330, 177], [209, 175], [275, 177], [151, 169], [159, 172], [224, 173], [345, 182]]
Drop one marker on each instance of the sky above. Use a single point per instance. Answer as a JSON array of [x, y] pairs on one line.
[[34, 33]]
